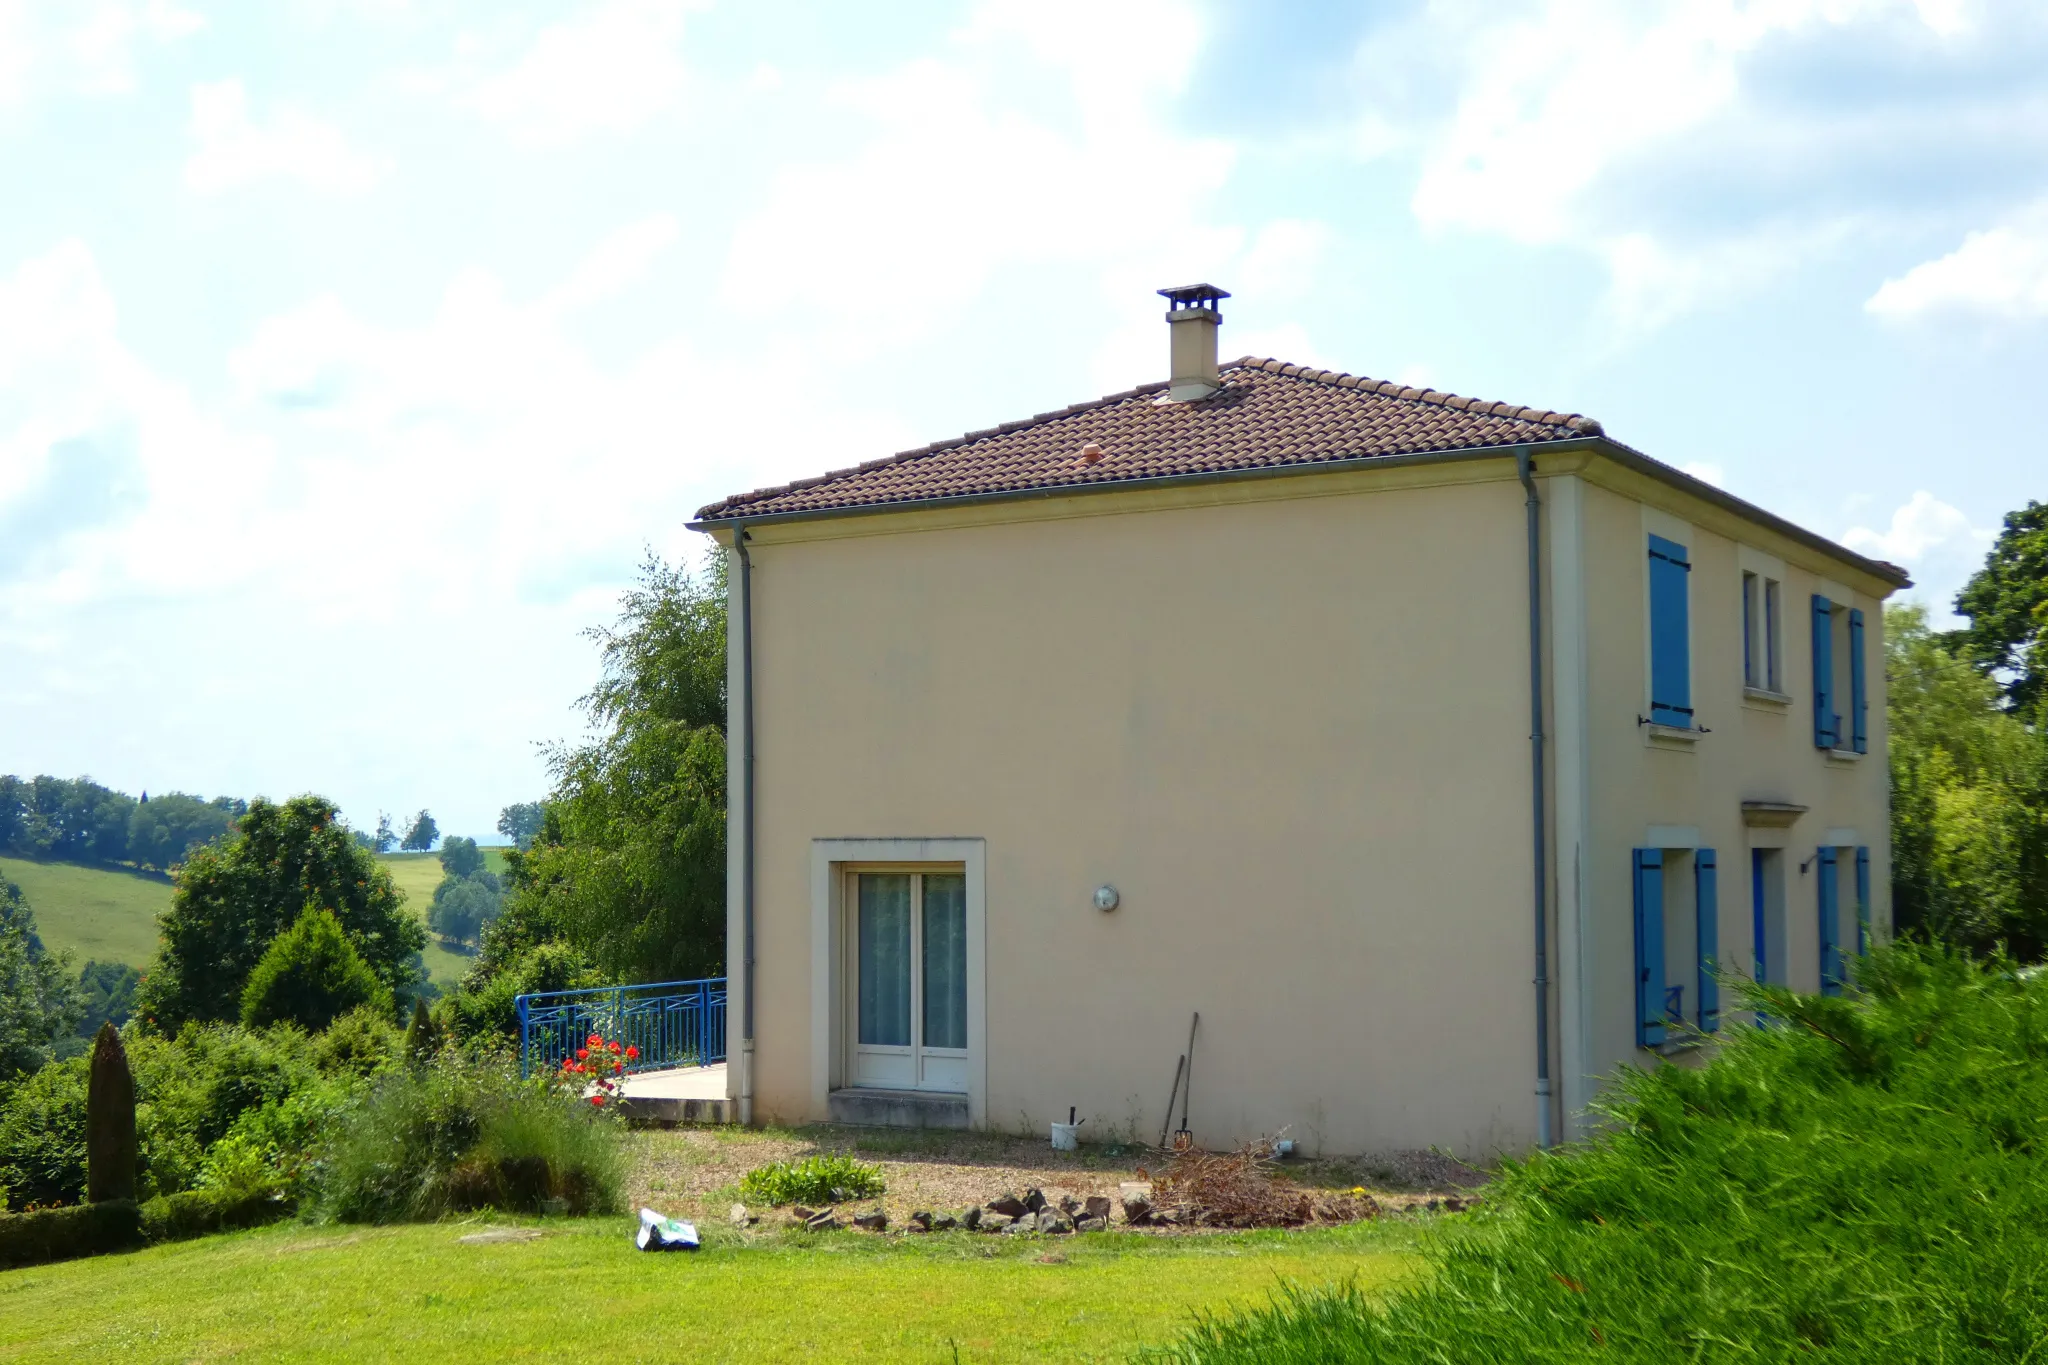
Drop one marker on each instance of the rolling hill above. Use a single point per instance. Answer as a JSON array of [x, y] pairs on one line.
[[108, 915]]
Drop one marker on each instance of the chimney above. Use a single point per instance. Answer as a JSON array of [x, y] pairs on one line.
[[1191, 321]]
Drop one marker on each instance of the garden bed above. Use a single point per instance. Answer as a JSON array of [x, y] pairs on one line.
[[695, 1172]]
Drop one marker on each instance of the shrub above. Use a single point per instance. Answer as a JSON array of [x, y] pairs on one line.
[[486, 1006], [422, 1037], [357, 1044], [195, 1213], [1866, 1179], [190, 1091], [814, 1180], [109, 1121], [42, 1136], [61, 1234], [464, 1134], [310, 975]]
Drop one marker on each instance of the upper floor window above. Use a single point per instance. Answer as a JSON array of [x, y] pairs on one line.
[[1839, 677], [1670, 634], [1760, 633]]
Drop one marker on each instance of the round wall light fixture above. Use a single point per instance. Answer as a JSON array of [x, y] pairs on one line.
[[1106, 898]]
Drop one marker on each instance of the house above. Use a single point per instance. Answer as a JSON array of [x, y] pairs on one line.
[[1217, 695]]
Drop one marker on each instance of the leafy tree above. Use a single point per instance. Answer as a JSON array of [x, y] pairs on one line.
[[38, 1003], [108, 991], [460, 856], [311, 975], [630, 863], [1969, 798], [385, 839], [520, 822], [2007, 603], [162, 830], [464, 905], [420, 838], [234, 897]]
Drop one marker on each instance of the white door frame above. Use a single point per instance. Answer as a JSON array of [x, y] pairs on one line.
[[831, 859]]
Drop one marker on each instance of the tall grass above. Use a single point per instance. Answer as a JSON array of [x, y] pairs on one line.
[[1866, 1180], [464, 1134]]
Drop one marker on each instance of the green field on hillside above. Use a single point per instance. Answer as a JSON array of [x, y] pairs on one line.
[[99, 914], [107, 915], [416, 875]]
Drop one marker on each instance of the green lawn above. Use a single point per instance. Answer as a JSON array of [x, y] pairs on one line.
[[98, 913], [582, 1292]]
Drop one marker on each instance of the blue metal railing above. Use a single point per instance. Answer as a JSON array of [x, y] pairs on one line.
[[671, 1023]]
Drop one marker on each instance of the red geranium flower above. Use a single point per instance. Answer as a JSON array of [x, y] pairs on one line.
[[633, 1053], [597, 1101]]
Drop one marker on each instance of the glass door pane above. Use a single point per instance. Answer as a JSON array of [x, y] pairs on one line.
[[945, 961], [884, 965]]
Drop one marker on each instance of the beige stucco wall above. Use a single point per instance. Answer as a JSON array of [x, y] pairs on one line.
[[1756, 750], [1287, 719], [1288, 725]]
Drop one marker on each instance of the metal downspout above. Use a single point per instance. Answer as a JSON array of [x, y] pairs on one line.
[[746, 756], [1540, 823]]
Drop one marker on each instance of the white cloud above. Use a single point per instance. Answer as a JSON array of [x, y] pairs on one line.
[[1014, 102], [1580, 123], [2000, 272], [86, 47], [231, 149], [1285, 259], [1922, 528], [609, 69], [616, 262]]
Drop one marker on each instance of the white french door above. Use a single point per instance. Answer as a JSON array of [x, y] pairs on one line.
[[907, 993]]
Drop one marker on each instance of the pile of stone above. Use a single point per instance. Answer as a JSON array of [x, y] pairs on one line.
[[1006, 1213]]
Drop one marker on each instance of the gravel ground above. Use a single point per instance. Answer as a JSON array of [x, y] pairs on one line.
[[694, 1172]]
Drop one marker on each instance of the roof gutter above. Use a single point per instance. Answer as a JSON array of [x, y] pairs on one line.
[[1625, 456], [746, 822]]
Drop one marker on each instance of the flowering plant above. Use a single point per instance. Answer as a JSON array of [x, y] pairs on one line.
[[599, 1069]]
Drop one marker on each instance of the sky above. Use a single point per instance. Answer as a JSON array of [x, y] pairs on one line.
[[355, 353]]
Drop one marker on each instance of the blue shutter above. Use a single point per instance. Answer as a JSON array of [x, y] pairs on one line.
[[1670, 635], [1827, 731], [1830, 925], [1649, 882], [1862, 901], [1706, 882], [1857, 710]]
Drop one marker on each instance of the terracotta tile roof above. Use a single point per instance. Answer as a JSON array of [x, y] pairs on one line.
[[1268, 414]]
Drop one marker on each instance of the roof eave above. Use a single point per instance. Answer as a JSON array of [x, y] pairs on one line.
[[1631, 458], [1624, 455]]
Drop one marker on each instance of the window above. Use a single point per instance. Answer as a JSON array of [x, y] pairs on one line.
[[1677, 944], [1833, 967], [1760, 667], [1767, 915], [1670, 635], [1838, 658], [909, 988]]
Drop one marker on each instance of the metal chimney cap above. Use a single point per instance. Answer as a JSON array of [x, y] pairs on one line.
[[1194, 295]]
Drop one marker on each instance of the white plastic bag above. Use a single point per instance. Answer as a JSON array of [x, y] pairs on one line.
[[664, 1234]]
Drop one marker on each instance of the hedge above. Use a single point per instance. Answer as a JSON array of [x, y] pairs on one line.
[[64, 1233], [195, 1213]]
